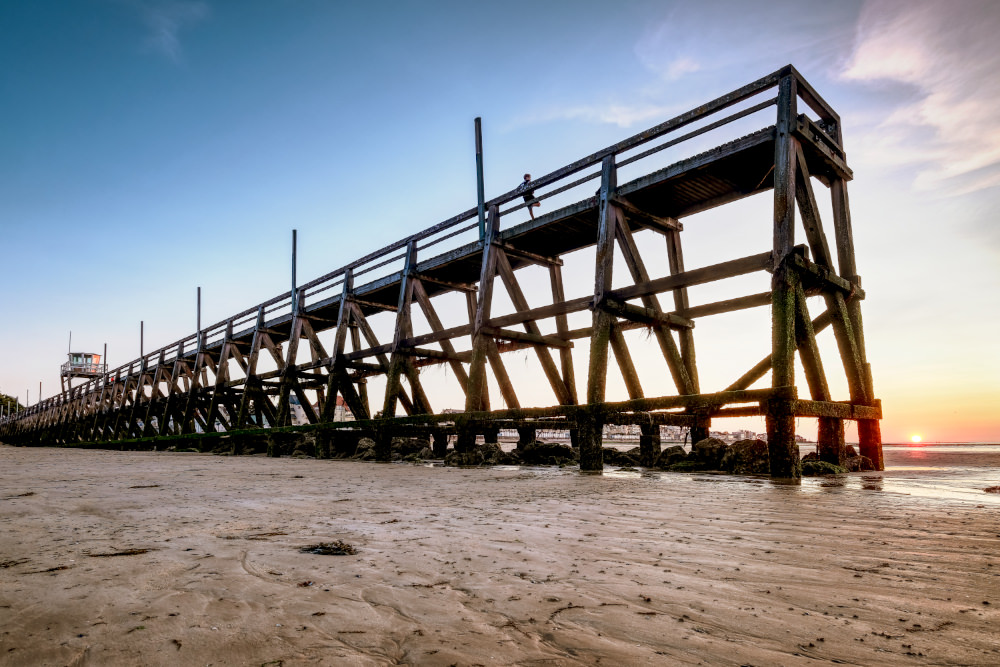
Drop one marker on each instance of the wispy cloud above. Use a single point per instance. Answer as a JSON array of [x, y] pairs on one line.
[[612, 113], [165, 20], [949, 55]]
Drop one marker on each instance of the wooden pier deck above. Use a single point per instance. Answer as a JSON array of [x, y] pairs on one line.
[[210, 381]]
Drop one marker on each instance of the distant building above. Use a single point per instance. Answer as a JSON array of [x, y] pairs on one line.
[[86, 365], [342, 413]]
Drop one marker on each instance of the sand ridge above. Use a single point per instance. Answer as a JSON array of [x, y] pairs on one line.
[[476, 566]]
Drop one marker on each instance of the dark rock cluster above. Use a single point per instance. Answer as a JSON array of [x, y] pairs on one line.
[[745, 457]]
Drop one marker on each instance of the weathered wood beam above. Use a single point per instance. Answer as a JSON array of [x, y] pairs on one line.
[[591, 452], [458, 287], [477, 367], [783, 451], [430, 314], [562, 327], [533, 339], [869, 432], [646, 316], [648, 220], [625, 364], [675, 260], [830, 434], [506, 272], [535, 258], [637, 269], [837, 410]]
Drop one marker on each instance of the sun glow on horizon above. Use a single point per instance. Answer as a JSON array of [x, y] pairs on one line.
[[915, 439]]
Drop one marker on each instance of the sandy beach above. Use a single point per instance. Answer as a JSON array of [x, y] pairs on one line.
[[145, 558]]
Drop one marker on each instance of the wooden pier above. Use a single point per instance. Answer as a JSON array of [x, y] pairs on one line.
[[214, 380]]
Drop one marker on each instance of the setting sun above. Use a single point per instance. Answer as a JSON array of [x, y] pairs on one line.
[[916, 438]]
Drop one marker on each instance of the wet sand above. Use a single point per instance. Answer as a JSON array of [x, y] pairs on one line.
[[479, 566]]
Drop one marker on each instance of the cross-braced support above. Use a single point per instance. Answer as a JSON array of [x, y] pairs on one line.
[[218, 383]]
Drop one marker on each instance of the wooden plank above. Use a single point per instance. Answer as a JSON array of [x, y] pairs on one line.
[[458, 287], [535, 258], [500, 373], [531, 327], [648, 220], [542, 312], [562, 327], [648, 316], [869, 432], [288, 371], [591, 452], [805, 129], [783, 452], [697, 162], [455, 357], [725, 306], [637, 269], [675, 261], [825, 278], [707, 274], [810, 211], [534, 339], [477, 367], [369, 335], [436, 326], [837, 410], [625, 364], [399, 363]]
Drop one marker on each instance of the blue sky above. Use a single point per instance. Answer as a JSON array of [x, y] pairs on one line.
[[149, 147]]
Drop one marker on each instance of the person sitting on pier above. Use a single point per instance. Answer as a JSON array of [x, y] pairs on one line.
[[529, 194]]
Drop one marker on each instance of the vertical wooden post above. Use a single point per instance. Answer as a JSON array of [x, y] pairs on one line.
[[636, 267], [830, 433], [480, 344], [480, 187], [649, 444], [675, 259], [783, 452], [869, 430], [250, 403], [398, 361], [591, 422], [559, 388], [338, 379], [562, 327], [440, 444], [289, 372]]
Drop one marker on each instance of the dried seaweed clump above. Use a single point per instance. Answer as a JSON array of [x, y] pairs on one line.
[[336, 548]]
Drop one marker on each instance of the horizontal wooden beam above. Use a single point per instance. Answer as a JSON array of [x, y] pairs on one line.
[[727, 306], [804, 408], [374, 304], [827, 277], [807, 130], [541, 260], [645, 315], [460, 287], [543, 312], [435, 354], [524, 337], [637, 215], [707, 274], [650, 418]]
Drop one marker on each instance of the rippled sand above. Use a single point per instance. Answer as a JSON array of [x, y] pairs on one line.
[[501, 566]]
